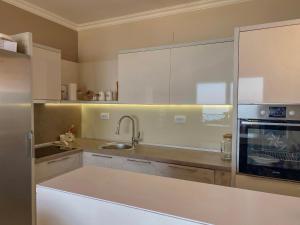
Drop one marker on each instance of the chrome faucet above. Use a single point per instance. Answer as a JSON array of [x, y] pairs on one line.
[[134, 139]]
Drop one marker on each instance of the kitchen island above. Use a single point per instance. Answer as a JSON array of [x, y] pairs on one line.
[[94, 195]]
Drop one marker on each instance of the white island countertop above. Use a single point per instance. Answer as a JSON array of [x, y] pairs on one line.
[[195, 201]]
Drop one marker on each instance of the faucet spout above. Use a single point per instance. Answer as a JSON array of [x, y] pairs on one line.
[[134, 139]]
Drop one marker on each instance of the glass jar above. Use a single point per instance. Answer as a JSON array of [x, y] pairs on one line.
[[226, 147]]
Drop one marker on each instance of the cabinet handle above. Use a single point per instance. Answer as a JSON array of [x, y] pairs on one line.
[[138, 161], [102, 156], [182, 168], [58, 160]]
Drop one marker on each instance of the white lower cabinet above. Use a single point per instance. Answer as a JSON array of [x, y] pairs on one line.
[[185, 172], [108, 161], [49, 169], [140, 166]]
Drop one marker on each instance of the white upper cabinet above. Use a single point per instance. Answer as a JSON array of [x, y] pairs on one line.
[[269, 68], [202, 74], [144, 77], [46, 73]]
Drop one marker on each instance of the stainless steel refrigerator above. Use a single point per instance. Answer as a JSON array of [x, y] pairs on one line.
[[15, 139]]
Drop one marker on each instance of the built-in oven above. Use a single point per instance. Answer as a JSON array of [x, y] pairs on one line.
[[269, 141]]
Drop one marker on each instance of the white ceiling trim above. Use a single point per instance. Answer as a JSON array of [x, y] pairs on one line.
[[42, 13], [167, 11]]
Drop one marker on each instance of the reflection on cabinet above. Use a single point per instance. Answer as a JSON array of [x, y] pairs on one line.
[[93, 159], [144, 77], [49, 169], [46, 73], [269, 65], [186, 173], [202, 74]]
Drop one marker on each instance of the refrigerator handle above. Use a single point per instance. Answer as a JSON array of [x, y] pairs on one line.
[[29, 144]]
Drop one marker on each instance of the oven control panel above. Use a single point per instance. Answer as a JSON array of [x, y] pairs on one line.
[[277, 112], [272, 112]]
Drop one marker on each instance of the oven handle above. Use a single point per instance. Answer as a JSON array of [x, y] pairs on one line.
[[270, 124]]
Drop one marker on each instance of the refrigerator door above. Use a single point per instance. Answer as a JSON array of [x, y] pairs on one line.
[[15, 142]]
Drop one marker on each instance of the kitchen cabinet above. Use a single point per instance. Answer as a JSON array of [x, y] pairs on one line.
[[269, 64], [46, 73], [202, 74], [95, 159], [140, 166], [222, 178], [144, 77], [185, 172], [268, 185], [49, 169]]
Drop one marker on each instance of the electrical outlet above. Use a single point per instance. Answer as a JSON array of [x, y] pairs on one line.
[[104, 116], [180, 119]]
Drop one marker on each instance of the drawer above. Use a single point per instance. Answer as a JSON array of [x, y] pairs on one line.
[[185, 172], [55, 167], [108, 161], [139, 166]]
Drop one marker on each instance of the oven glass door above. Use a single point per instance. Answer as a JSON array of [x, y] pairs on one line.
[[270, 148]]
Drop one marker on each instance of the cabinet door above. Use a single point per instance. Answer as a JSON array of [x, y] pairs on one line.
[[222, 178], [202, 74], [144, 77], [95, 159], [55, 167], [185, 172], [140, 166], [46, 73], [269, 68]]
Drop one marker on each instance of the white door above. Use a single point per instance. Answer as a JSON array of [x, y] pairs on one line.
[[202, 74], [46, 73], [269, 68], [144, 77]]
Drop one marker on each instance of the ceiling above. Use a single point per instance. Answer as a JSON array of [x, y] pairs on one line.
[[84, 11]]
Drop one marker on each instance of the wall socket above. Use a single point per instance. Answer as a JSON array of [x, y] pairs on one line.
[[180, 119], [104, 116]]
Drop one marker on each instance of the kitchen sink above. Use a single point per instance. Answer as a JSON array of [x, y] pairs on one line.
[[118, 146]]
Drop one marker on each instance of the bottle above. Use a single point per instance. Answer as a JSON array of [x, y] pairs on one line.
[[226, 147]]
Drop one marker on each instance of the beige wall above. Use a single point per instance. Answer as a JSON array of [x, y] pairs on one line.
[[98, 48], [203, 129], [14, 20], [52, 120]]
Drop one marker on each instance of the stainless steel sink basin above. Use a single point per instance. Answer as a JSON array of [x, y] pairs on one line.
[[118, 146]]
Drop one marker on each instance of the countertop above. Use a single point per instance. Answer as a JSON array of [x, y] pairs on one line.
[[191, 200], [179, 156]]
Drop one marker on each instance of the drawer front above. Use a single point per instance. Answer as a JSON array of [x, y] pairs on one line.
[[186, 173], [52, 168], [95, 159], [139, 166]]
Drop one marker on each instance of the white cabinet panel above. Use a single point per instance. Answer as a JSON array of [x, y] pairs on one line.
[[185, 172], [269, 68], [49, 169], [140, 166], [46, 73], [95, 159], [63, 208], [202, 74], [144, 77]]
